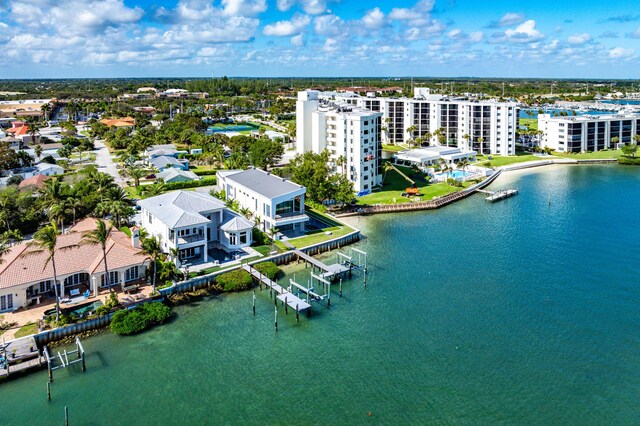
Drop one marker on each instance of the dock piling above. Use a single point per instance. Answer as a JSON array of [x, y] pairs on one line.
[[276, 318], [286, 306], [49, 391], [340, 287], [254, 302], [297, 313], [66, 415]]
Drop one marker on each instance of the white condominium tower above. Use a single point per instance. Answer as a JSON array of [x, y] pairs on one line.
[[488, 127], [587, 132], [352, 135]]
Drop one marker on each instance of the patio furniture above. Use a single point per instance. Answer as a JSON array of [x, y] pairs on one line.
[[74, 292]]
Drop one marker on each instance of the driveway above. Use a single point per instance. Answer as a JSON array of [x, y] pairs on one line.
[[105, 162]]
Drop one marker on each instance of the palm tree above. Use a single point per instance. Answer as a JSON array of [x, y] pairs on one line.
[[45, 240], [102, 183], [136, 173], [37, 149], [463, 164], [53, 192], [56, 214], [46, 109], [155, 189], [341, 162], [4, 249], [100, 237], [151, 247], [272, 235], [411, 130], [175, 255], [466, 137], [387, 168], [73, 204], [246, 212], [481, 144]]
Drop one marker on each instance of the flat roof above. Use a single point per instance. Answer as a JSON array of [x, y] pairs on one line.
[[264, 183]]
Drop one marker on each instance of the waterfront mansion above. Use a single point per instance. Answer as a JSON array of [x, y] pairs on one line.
[[195, 224]]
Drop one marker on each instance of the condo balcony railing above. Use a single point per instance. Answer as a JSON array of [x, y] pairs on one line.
[[186, 239], [290, 215]]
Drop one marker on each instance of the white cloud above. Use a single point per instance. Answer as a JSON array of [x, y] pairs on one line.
[[297, 40], [330, 45], [287, 28], [374, 19], [510, 19], [620, 53], [243, 7], [329, 25], [524, 33], [578, 39], [284, 5], [314, 7], [635, 34]]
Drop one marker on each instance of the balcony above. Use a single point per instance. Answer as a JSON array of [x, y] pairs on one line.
[[187, 239], [291, 217]]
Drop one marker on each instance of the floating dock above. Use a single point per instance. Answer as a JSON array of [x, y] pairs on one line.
[[19, 355], [500, 195]]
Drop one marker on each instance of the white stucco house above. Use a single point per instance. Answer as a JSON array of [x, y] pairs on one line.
[[195, 224], [278, 202]]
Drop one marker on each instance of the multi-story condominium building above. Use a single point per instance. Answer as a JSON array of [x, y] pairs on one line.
[[194, 223], [488, 127], [351, 134], [587, 132], [277, 202]]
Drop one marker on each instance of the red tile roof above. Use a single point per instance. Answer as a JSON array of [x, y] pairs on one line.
[[37, 181], [23, 265]]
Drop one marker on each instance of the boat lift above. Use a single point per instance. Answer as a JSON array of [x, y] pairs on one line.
[[62, 360]]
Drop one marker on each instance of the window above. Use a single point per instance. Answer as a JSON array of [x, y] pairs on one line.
[[132, 273], [232, 239], [150, 218], [113, 279], [6, 302], [45, 286], [243, 238], [76, 279]]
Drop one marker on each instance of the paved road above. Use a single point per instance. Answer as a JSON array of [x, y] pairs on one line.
[[105, 162]]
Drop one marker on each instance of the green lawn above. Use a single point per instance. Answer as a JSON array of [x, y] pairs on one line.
[[334, 227], [395, 185], [531, 123], [499, 160], [26, 330], [612, 153], [394, 148]]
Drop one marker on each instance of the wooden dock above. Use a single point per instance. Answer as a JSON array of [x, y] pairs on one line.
[[330, 272], [283, 294], [19, 355]]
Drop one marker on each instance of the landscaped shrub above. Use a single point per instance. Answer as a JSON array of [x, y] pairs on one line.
[[237, 280], [269, 269], [205, 172], [629, 161], [207, 181], [140, 318], [454, 183]]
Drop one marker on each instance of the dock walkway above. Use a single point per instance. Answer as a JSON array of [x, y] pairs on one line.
[[283, 294], [330, 271]]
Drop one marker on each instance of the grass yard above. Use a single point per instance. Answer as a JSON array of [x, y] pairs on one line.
[[396, 185], [531, 123], [336, 229], [394, 148], [499, 160], [26, 330], [598, 155]]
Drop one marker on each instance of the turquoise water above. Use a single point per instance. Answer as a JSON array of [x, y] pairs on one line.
[[233, 128], [509, 312]]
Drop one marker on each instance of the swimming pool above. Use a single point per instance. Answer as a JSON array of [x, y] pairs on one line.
[[78, 311], [232, 128], [457, 174]]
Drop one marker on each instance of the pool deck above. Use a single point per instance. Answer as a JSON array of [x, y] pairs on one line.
[[36, 313]]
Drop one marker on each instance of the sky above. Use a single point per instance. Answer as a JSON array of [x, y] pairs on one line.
[[319, 38]]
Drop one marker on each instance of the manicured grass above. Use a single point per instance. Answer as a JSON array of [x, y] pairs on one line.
[[611, 153], [27, 330], [318, 237], [264, 249], [394, 148], [195, 169], [531, 123], [395, 185], [499, 160]]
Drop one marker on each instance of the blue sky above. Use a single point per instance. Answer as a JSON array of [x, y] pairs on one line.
[[267, 38]]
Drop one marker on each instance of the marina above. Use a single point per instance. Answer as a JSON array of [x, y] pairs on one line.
[[500, 194]]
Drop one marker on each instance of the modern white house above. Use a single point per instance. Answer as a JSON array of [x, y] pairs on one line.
[[584, 133], [488, 127], [27, 278], [351, 134], [278, 202], [194, 223]]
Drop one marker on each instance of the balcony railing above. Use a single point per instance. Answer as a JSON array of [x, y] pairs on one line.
[[186, 239], [290, 216]]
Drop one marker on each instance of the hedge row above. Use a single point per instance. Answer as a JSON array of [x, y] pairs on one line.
[[238, 280], [140, 318], [193, 184], [205, 172], [269, 269], [629, 161]]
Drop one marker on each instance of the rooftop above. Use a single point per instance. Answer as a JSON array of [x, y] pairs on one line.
[[23, 264], [181, 208], [264, 183], [172, 173]]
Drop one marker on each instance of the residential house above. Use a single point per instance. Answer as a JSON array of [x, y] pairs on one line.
[[278, 202], [173, 174], [164, 162], [194, 223], [26, 277]]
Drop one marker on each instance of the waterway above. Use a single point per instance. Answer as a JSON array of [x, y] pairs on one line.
[[519, 311]]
